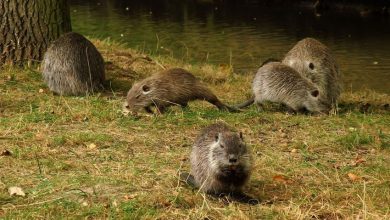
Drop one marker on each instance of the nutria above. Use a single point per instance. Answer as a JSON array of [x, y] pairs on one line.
[[277, 82], [315, 61], [171, 87], [73, 66], [220, 161]]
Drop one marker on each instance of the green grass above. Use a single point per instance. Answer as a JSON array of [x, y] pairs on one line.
[[80, 157]]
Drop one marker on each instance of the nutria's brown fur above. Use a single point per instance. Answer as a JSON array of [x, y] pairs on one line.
[[73, 66], [220, 160], [277, 82], [170, 87], [315, 61]]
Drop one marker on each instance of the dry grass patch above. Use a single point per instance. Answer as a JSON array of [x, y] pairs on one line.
[[80, 157]]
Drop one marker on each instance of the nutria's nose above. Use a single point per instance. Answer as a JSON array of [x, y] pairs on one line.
[[232, 160]]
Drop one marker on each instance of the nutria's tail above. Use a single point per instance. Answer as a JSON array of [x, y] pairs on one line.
[[246, 103], [208, 95], [188, 179], [224, 107]]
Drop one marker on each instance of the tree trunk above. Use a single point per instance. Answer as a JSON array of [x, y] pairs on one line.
[[28, 26]]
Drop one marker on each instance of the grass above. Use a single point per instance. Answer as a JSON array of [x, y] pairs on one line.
[[80, 157]]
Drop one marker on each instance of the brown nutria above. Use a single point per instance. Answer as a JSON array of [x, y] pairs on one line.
[[220, 161], [277, 82], [315, 61], [170, 87], [73, 66]]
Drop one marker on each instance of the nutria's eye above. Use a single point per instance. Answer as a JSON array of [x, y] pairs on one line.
[[315, 93], [145, 89], [311, 66]]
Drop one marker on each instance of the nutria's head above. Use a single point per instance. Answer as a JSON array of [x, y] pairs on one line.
[[314, 102], [313, 60], [229, 152], [314, 68], [140, 96]]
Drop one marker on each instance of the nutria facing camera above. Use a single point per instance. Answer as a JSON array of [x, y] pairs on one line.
[[73, 66], [171, 87], [221, 162]]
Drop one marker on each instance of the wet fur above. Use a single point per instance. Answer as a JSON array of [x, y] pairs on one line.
[[208, 165], [315, 61], [73, 66], [251, 100], [277, 82], [170, 87]]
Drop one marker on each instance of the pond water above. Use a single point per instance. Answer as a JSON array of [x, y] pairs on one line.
[[241, 34]]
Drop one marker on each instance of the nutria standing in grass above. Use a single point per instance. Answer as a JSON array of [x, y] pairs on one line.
[[73, 66], [314, 60], [277, 82], [220, 161], [170, 87]]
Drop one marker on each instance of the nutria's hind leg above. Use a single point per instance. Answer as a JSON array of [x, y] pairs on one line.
[[184, 105], [161, 109], [259, 107], [291, 111], [148, 109]]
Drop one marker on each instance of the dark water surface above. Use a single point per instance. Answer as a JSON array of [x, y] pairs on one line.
[[243, 35]]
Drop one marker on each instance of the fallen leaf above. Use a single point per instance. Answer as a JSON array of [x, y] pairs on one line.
[[5, 153], [15, 190], [40, 90], [39, 136], [128, 197], [353, 177], [359, 161], [280, 178], [283, 144], [294, 150], [92, 146]]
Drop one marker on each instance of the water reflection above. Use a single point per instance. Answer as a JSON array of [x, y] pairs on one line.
[[243, 34]]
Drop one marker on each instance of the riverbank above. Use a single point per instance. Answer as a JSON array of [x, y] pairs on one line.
[[81, 157]]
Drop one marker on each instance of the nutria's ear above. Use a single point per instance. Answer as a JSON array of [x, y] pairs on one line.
[[314, 93], [241, 136], [145, 89]]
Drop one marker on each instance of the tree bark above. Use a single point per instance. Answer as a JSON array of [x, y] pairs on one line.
[[28, 26]]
